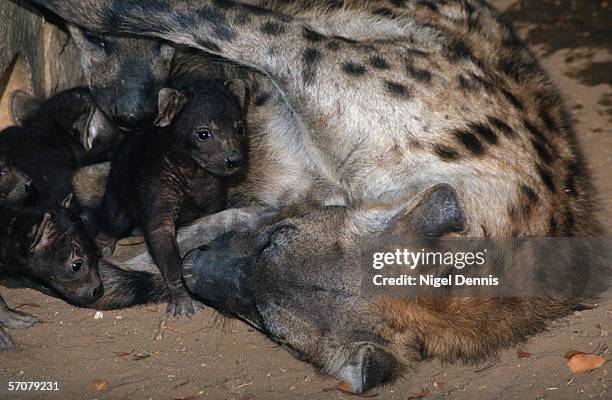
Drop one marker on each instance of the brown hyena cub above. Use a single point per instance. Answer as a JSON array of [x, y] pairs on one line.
[[175, 172]]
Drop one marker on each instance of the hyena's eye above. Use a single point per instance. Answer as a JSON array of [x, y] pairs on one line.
[[98, 41], [203, 134], [77, 265]]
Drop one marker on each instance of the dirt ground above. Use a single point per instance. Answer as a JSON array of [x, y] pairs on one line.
[[212, 358]]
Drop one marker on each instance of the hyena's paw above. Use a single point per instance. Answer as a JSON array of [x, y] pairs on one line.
[[184, 305], [367, 366], [5, 340], [14, 319]]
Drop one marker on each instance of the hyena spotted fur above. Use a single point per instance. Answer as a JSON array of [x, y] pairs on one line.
[[367, 104]]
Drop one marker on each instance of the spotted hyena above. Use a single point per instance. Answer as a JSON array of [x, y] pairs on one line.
[[359, 106]]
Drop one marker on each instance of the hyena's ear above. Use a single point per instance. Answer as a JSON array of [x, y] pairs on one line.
[[96, 127], [22, 105], [436, 212], [68, 203], [169, 105], [239, 88], [42, 234]]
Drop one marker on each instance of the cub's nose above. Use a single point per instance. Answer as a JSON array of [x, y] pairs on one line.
[[233, 159], [97, 292]]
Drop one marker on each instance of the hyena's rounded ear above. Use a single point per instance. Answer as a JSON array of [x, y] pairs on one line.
[[436, 212], [42, 234], [23, 104], [68, 203], [239, 89], [169, 105], [96, 127]]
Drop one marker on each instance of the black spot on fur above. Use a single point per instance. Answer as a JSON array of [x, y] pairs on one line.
[[312, 36], [224, 33], [512, 99], [446, 153], [262, 99], [311, 58], [418, 53], [552, 226], [225, 4], [242, 18], [550, 123], [397, 89], [352, 68], [532, 196], [501, 126], [482, 82], [456, 50], [272, 28], [418, 74], [547, 178], [465, 83], [542, 151], [484, 132], [470, 141], [535, 132], [378, 62], [429, 4], [573, 172]]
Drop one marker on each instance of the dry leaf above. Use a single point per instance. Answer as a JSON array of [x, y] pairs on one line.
[[585, 362], [101, 384], [598, 326], [438, 385], [572, 353], [520, 353]]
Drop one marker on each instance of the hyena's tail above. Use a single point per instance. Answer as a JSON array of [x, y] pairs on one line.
[[124, 289]]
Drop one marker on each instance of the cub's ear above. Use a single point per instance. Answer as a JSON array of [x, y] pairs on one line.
[[22, 105], [98, 128], [42, 234], [239, 88], [169, 105], [68, 203], [436, 212]]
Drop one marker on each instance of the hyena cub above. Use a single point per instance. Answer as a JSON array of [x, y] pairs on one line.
[[175, 173], [53, 138], [49, 251]]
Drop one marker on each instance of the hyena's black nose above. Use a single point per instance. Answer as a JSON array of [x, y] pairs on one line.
[[234, 159], [215, 274]]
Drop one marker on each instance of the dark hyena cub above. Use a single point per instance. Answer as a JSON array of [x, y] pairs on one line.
[[48, 144], [49, 251], [173, 174]]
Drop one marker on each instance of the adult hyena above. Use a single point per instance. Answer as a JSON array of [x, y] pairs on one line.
[[372, 101]]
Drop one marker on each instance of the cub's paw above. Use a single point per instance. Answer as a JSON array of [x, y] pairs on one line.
[[184, 305], [5, 340], [14, 319]]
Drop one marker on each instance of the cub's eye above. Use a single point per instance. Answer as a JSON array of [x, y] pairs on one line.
[[77, 265], [203, 135], [97, 41]]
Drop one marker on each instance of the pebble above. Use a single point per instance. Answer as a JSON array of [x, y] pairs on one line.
[[98, 315]]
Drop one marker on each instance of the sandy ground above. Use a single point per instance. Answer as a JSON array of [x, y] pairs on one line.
[[212, 358]]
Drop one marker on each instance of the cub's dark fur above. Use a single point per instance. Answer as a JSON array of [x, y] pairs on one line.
[[47, 145], [15, 186], [50, 252], [172, 174]]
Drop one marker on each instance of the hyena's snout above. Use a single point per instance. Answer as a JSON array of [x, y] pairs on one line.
[[216, 273]]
